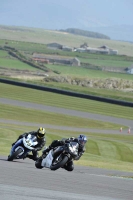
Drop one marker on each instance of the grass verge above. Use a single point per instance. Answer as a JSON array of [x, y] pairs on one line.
[[63, 101], [38, 116], [102, 151]]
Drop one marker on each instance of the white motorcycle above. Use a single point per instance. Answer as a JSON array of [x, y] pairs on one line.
[[22, 147], [58, 157]]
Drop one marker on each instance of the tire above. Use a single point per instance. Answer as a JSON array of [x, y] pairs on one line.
[[60, 164], [14, 155], [38, 163]]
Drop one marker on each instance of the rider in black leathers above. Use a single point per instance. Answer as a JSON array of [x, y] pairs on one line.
[[81, 139], [40, 133]]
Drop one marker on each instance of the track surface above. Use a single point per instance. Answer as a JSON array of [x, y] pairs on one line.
[[21, 180]]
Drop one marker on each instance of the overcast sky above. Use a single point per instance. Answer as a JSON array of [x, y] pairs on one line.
[[61, 14]]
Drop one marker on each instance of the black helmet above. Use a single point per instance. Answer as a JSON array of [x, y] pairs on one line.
[[41, 132], [82, 140]]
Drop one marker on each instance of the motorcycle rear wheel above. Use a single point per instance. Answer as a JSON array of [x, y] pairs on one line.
[[14, 155], [60, 164]]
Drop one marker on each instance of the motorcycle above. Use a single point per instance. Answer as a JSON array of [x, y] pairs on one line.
[[58, 157], [22, 147]]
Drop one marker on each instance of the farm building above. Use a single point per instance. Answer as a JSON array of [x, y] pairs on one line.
[[110, 51], [102, 50], [84, 48], [66, 48], [57, 59], [80, 50], [40, 60], [97, 50], [59, 46], [130, 71], [75, 62], [92, 50]]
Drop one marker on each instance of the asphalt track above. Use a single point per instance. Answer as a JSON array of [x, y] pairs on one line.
[[21, 180]]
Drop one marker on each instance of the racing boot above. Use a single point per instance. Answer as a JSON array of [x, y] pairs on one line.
[[34, 157], [26, 156]]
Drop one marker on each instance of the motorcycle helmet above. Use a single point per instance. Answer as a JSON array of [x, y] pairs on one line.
[[41, 132], [82, 140]]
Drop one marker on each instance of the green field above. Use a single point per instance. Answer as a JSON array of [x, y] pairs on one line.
[[83, 72], [63, 101], [10, 62], [29, 115], [102, 151], [111, 151], [107, 62], [15, 64], [94, 59], [27, 49], [42, 36]]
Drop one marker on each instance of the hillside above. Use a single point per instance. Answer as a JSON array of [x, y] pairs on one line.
[[93, 76], [43, 36], [76, 31]]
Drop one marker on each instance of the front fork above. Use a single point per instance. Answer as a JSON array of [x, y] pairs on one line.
[[17, 144]]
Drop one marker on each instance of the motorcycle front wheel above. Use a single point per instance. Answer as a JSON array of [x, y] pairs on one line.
[[38, 163], [59, 164], [14, 155]]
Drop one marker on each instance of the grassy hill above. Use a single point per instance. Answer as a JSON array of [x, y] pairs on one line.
[[76, 31], [43, 36], [103, 150], [113, 151], [26, 41]]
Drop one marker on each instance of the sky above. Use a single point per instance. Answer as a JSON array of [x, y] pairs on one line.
[[61, 14]]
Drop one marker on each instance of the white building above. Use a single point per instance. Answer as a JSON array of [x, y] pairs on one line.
[[130, 71]]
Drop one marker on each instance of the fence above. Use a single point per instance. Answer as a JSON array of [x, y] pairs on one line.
[[66, 92]]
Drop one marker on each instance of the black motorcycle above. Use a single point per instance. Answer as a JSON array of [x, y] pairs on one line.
[[58, 157]]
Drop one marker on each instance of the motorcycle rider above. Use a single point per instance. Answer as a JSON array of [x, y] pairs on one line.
[[40, 134], [81, 140]]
